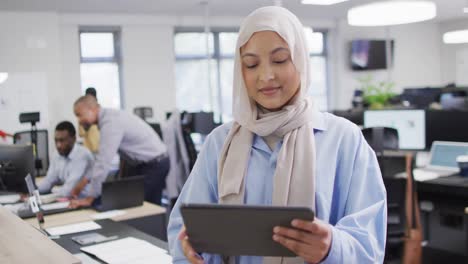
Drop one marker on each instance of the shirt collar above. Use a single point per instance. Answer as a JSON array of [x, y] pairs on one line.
[[72, 154]]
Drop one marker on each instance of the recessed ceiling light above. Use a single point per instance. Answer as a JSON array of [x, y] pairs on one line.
[[388, 13], [3, 76], [322, 2], [465, 10], [455, 37]]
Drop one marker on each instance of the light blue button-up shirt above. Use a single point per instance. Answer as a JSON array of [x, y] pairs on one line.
[[67, 171], [126, 134], [350, 194]]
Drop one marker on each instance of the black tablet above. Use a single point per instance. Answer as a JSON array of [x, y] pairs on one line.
[[239, 230]]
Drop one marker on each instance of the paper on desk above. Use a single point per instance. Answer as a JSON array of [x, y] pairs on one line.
[[9, 198], [85, 259], [108, 214], [73, 228], [128, 250]]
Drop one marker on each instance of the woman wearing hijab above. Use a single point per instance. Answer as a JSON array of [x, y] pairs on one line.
[[281, 151]]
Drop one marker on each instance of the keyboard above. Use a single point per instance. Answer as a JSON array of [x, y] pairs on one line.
[[24, 211]]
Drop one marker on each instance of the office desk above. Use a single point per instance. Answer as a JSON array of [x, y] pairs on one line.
[[148, 218], [453, 186], [21, 243], [443, 220], [110, 228]]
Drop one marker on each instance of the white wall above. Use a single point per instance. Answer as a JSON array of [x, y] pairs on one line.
[[148, 68], [147, 58], [30, 49], [416, 58]]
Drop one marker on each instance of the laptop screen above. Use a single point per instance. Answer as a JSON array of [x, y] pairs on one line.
[[444, 154]]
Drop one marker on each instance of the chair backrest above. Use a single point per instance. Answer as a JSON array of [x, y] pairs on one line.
[[24, 138], [355, 116], [381, 138], [199, 122], [143, 112]]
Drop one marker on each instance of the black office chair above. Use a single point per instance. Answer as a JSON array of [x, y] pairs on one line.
[[355, 116], [24, 138], [380, 139], [143, 112]]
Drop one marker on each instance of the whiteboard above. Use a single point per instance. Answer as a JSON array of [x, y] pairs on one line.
[[23, 92]]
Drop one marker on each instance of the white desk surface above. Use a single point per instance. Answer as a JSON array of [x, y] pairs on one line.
[[147, 209]]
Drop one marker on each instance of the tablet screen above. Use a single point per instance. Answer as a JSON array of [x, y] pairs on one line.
[[239, 230]]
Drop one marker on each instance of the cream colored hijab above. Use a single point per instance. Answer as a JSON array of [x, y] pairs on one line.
[[294, 178]]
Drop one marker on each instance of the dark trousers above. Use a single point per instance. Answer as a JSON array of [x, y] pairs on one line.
[[155, 173]]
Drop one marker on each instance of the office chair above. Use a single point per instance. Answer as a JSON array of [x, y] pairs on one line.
[[355, 116], [24, 138], [380, 139], [143, 112]]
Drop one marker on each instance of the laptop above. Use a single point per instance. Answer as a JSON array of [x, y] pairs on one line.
[[122, 193], [442, 160], [24, 210]]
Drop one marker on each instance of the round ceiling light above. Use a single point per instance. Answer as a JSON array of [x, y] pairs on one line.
[[456, 37], [389, 13]]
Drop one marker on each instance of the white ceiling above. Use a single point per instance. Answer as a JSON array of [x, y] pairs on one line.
[[446, 9]]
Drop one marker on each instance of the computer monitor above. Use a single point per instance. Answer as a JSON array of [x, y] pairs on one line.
[[24, 138], [411, 125], [446, 126], [421, 97], [17, 162]]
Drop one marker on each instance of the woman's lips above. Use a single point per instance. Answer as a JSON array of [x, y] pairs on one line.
[[269, 90]]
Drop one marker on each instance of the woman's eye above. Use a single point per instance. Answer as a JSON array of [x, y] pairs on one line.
[[280, 61], [251, 66]]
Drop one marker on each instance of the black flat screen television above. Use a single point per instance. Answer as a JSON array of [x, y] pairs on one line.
[[368, 54]]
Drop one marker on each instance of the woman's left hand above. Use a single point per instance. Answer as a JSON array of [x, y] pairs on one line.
[[310, 240]]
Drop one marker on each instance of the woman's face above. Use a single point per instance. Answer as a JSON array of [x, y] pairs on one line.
[[269, 73]]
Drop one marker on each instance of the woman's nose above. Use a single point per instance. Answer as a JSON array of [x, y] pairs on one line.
[[266, 73]]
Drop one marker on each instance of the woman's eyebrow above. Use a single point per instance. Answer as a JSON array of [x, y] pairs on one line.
[[279, 49], [272, 52], [249, 54]]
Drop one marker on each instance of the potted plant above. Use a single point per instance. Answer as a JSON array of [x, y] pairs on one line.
[[376, 95]]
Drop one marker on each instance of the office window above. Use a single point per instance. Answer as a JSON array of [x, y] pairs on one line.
[[318, 68], [196, 93], [100, 65]]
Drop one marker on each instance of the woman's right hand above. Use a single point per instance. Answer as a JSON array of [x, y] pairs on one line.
[[191, 255]]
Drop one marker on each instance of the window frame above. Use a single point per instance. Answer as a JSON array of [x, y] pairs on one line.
[[117, 58], [324, 54], [218, 57]]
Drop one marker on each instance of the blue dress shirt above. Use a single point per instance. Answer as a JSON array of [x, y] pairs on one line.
[[350, 194]]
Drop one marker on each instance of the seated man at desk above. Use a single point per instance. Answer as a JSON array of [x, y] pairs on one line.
[[136, 142], [69, 165]]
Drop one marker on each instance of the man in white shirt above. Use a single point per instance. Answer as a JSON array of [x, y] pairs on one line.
[[69, 166]]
